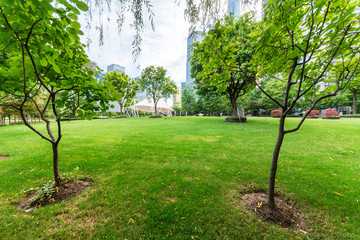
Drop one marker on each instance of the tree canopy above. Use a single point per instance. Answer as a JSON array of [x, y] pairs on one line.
[[125, 87], [222, 60], [46, 61], [304, 41], [156, 84]]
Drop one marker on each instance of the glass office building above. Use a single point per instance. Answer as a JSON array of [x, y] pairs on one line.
[[116, 68]]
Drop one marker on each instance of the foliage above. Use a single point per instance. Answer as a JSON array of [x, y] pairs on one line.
[[303, 41], [155, 116], [330, 112], [156, 85], [45, 60], [125, 87], [276, 113], [221, 62], [188, 100], [45, 193], [312, 113]]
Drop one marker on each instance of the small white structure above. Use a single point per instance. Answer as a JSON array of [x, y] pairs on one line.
[[147, 105]]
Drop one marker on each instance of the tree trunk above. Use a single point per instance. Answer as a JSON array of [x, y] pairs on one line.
[[271, 193], [354, 101], [74, 113], [234, 106], [56, 164], [121, 108]]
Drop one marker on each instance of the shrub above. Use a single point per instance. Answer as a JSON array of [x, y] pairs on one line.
[[95, 117], [155, 116], [276, 113], [45, 193], [330, 112], [312, 113]]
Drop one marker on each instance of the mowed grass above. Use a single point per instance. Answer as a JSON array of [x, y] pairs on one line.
[[182, 178]]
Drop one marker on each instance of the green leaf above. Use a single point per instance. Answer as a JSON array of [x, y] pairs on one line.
[[72, 16], [51, 60], [56, 68], [72, 31], [75, 25], [43, 62], [82, 6]]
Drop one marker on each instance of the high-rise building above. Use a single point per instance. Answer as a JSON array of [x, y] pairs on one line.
[[193, 37], [116, 68], [177, 97], [234, 8]]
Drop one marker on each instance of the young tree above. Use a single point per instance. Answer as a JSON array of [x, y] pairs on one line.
[[228, 42], [188, 100], [304, 41], [125, 87], [156, 85], [46, 59]]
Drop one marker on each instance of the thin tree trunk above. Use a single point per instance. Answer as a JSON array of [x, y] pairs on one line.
[[354, 101], [56, 164], [271, 194], [121, 108]]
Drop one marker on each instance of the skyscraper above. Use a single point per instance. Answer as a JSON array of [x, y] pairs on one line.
[[234, 8], [193, 37], [116, 68]]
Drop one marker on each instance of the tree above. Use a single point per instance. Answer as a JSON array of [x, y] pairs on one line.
[[156, 85], [46, 59], [125, 87], [188, 100], [303, 41], [224, 51]]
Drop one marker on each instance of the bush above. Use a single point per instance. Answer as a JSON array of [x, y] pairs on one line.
[[330, 112], [95, 117], [155, 116], [120, 116], [276, 113], [313, 113]]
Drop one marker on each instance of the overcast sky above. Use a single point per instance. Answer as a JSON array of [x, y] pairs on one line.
[[165, 47]]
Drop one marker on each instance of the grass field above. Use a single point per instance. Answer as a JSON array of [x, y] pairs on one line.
[[181, 178]]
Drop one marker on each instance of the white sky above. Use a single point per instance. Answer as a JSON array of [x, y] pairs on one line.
[[165, 47]]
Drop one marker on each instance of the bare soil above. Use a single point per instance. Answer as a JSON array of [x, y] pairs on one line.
[[66, 191], [284, 214], [2, 157]]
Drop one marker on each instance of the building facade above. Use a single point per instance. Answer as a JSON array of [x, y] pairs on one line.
[[177, 97], [234, 8], [193, 37], [116, 68]]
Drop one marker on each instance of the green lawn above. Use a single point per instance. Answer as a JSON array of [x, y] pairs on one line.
[[181, 178]]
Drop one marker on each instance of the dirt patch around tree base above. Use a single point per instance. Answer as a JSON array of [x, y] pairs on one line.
[[2, 157], [66, 191], [285, 214]]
